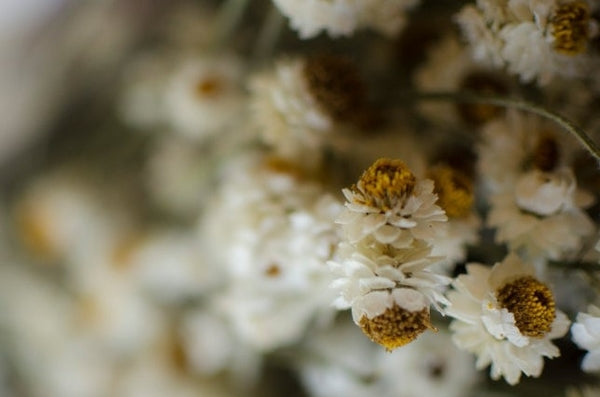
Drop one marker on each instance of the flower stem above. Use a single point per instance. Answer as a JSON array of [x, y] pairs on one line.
[[466, 97], [229, 16]]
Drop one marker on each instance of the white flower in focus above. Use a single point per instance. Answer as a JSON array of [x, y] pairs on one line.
[[389, 204], [506, 317], [203, 95], [271, 230], [364, 268], [540, 217], [586, 334], [344, 17]]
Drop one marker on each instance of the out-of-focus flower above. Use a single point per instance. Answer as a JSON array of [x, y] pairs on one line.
[[344, 17], [339, 361], [586, 334], [506, 317], [271, 230]]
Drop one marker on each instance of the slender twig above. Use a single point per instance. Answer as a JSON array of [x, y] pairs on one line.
[[269, 33], [228, 18], [466, 97]]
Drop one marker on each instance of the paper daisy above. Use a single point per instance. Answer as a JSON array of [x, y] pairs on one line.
[[506, 317], [586, 334], [541, 217], [297, 105], [389, 204], [535, 40]]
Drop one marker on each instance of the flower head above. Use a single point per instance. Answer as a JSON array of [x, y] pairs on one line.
[[391, 205], [586, 334], [507, 317]]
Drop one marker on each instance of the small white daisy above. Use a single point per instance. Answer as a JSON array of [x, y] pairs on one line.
[[389, 204], [541, 218], [203, 95], [271, 231], [344, 17], [506, 317], [389, 290], [297, 106], [533, 39], [586, 334]]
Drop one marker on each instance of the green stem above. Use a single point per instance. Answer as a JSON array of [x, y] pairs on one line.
[[268, 35], [228, 18], [467, 97]]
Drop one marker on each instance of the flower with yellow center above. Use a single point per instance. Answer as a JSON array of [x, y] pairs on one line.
[[391, 205], [570, 25], [454, 190], [393, 319], [507, 317]]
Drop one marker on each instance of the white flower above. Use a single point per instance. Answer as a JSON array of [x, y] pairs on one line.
[[586, 334], [534, 39], [540, 217], [389, 290], [365, 268], [203, 95], [343, 17], [390, 205], [287, 116], [506, 317], [272, 232], [340, 362]]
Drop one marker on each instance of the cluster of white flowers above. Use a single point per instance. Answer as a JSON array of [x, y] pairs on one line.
[[266, 214], [533, 39], [389, 220]]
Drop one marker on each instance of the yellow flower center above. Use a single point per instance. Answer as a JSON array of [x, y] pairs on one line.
[[396, 326], [532, 304], [570, 27], [209, 86], [454, 190], [385, 182]]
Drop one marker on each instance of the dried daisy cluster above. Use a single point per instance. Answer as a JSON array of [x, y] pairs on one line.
[[286, 196]]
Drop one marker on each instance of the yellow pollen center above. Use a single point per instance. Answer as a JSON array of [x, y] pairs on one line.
[[385, 182], [532, 304], [396, 326], [570, 27], [454, 190], [208, 86]]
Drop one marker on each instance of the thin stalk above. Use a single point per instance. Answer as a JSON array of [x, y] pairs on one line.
[[228, 18], [268, 35], [466, 97]]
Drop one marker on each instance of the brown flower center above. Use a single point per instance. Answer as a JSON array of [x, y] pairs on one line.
[[545, 154], [532, 304], [484, 83], [385, 182], [454, 190], [335, 84], [396, 326], [570, 27]]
